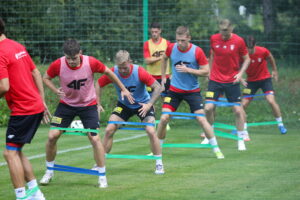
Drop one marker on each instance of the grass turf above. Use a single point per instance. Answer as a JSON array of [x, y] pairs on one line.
[[269, 169]]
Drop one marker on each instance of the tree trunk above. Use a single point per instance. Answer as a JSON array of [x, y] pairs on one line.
[[268, 17]]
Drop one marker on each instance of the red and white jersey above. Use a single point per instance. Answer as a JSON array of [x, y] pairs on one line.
[[23, 97], [258, 68], [77, 82], [227, 58]]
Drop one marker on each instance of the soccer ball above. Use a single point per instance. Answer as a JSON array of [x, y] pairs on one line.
[[77, 124]]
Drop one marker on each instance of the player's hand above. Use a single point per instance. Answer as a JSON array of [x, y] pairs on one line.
[[238, 78], [144, 109], [275, 75], [244, 82], [127, 94], [182, 68], [100, 108], [47, 116], [60, 92]]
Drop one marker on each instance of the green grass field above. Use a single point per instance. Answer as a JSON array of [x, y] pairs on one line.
[[269, 169]]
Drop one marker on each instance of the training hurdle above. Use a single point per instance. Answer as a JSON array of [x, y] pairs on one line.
[[132, 124]]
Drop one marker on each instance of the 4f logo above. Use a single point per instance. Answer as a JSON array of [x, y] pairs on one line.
[[76, 84], [157, 53], [131, 89]]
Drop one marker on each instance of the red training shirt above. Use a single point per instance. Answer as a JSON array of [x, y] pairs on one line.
[[227, 57], [23, 97]]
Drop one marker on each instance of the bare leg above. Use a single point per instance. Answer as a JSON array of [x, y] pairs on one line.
[[51, 146], [164, 119], [109, 133], [99, 154], [15, 166]]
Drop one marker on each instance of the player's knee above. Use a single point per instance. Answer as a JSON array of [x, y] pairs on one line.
[[9, 154], [109, 131], [164, 119]]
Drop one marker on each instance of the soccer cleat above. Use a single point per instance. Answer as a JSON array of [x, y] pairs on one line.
[[159, 169], [205, 141], [150, 154], [102, 182], [219, 155], [282, 129], [241, 145], [37, 196], [46, 178]]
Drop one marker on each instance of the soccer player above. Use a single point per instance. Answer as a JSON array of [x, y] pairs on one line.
[[21, 84], [77, 98], [228, 50], [135, 78], [154, 49], [188, 62], [259, 77]]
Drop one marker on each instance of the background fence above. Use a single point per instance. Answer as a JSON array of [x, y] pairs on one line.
[[103, 27]]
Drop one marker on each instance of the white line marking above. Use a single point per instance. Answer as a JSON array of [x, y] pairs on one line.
[[80, 148]]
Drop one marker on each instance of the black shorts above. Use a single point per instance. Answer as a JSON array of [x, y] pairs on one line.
[[167, 86], [173, 100], [65, 114], [216, 89], [22, 128], [125, 113], [265, 85]]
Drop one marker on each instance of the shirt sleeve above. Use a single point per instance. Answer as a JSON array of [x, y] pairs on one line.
[[146, 50], [96, 65], [200, 57], [54, 69], [169, 49], [104, 80], [3, 67], [266, 53], [243, 48], [145, 77]]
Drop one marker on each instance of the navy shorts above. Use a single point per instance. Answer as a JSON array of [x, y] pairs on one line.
[[216, 89], [22, 128], [65, 114], [125, 113], [167, 86], [173, 100], [265, 85]]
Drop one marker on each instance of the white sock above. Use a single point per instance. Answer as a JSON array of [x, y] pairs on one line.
[[50, 164], [20, 192], [161, 142], [158, 161], [240, 133], [213, 142], [101, 169], [245, 126], [32, 184], [279, 120]]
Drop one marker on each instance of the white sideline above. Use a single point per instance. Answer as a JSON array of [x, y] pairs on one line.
[[79, 148]]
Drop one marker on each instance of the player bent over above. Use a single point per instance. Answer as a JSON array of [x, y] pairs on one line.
[[77, 98], [135, 78]]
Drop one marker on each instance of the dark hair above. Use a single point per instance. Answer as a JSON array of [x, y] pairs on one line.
[[250, 41], [71, 47], [155, 25], [2, 26]]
